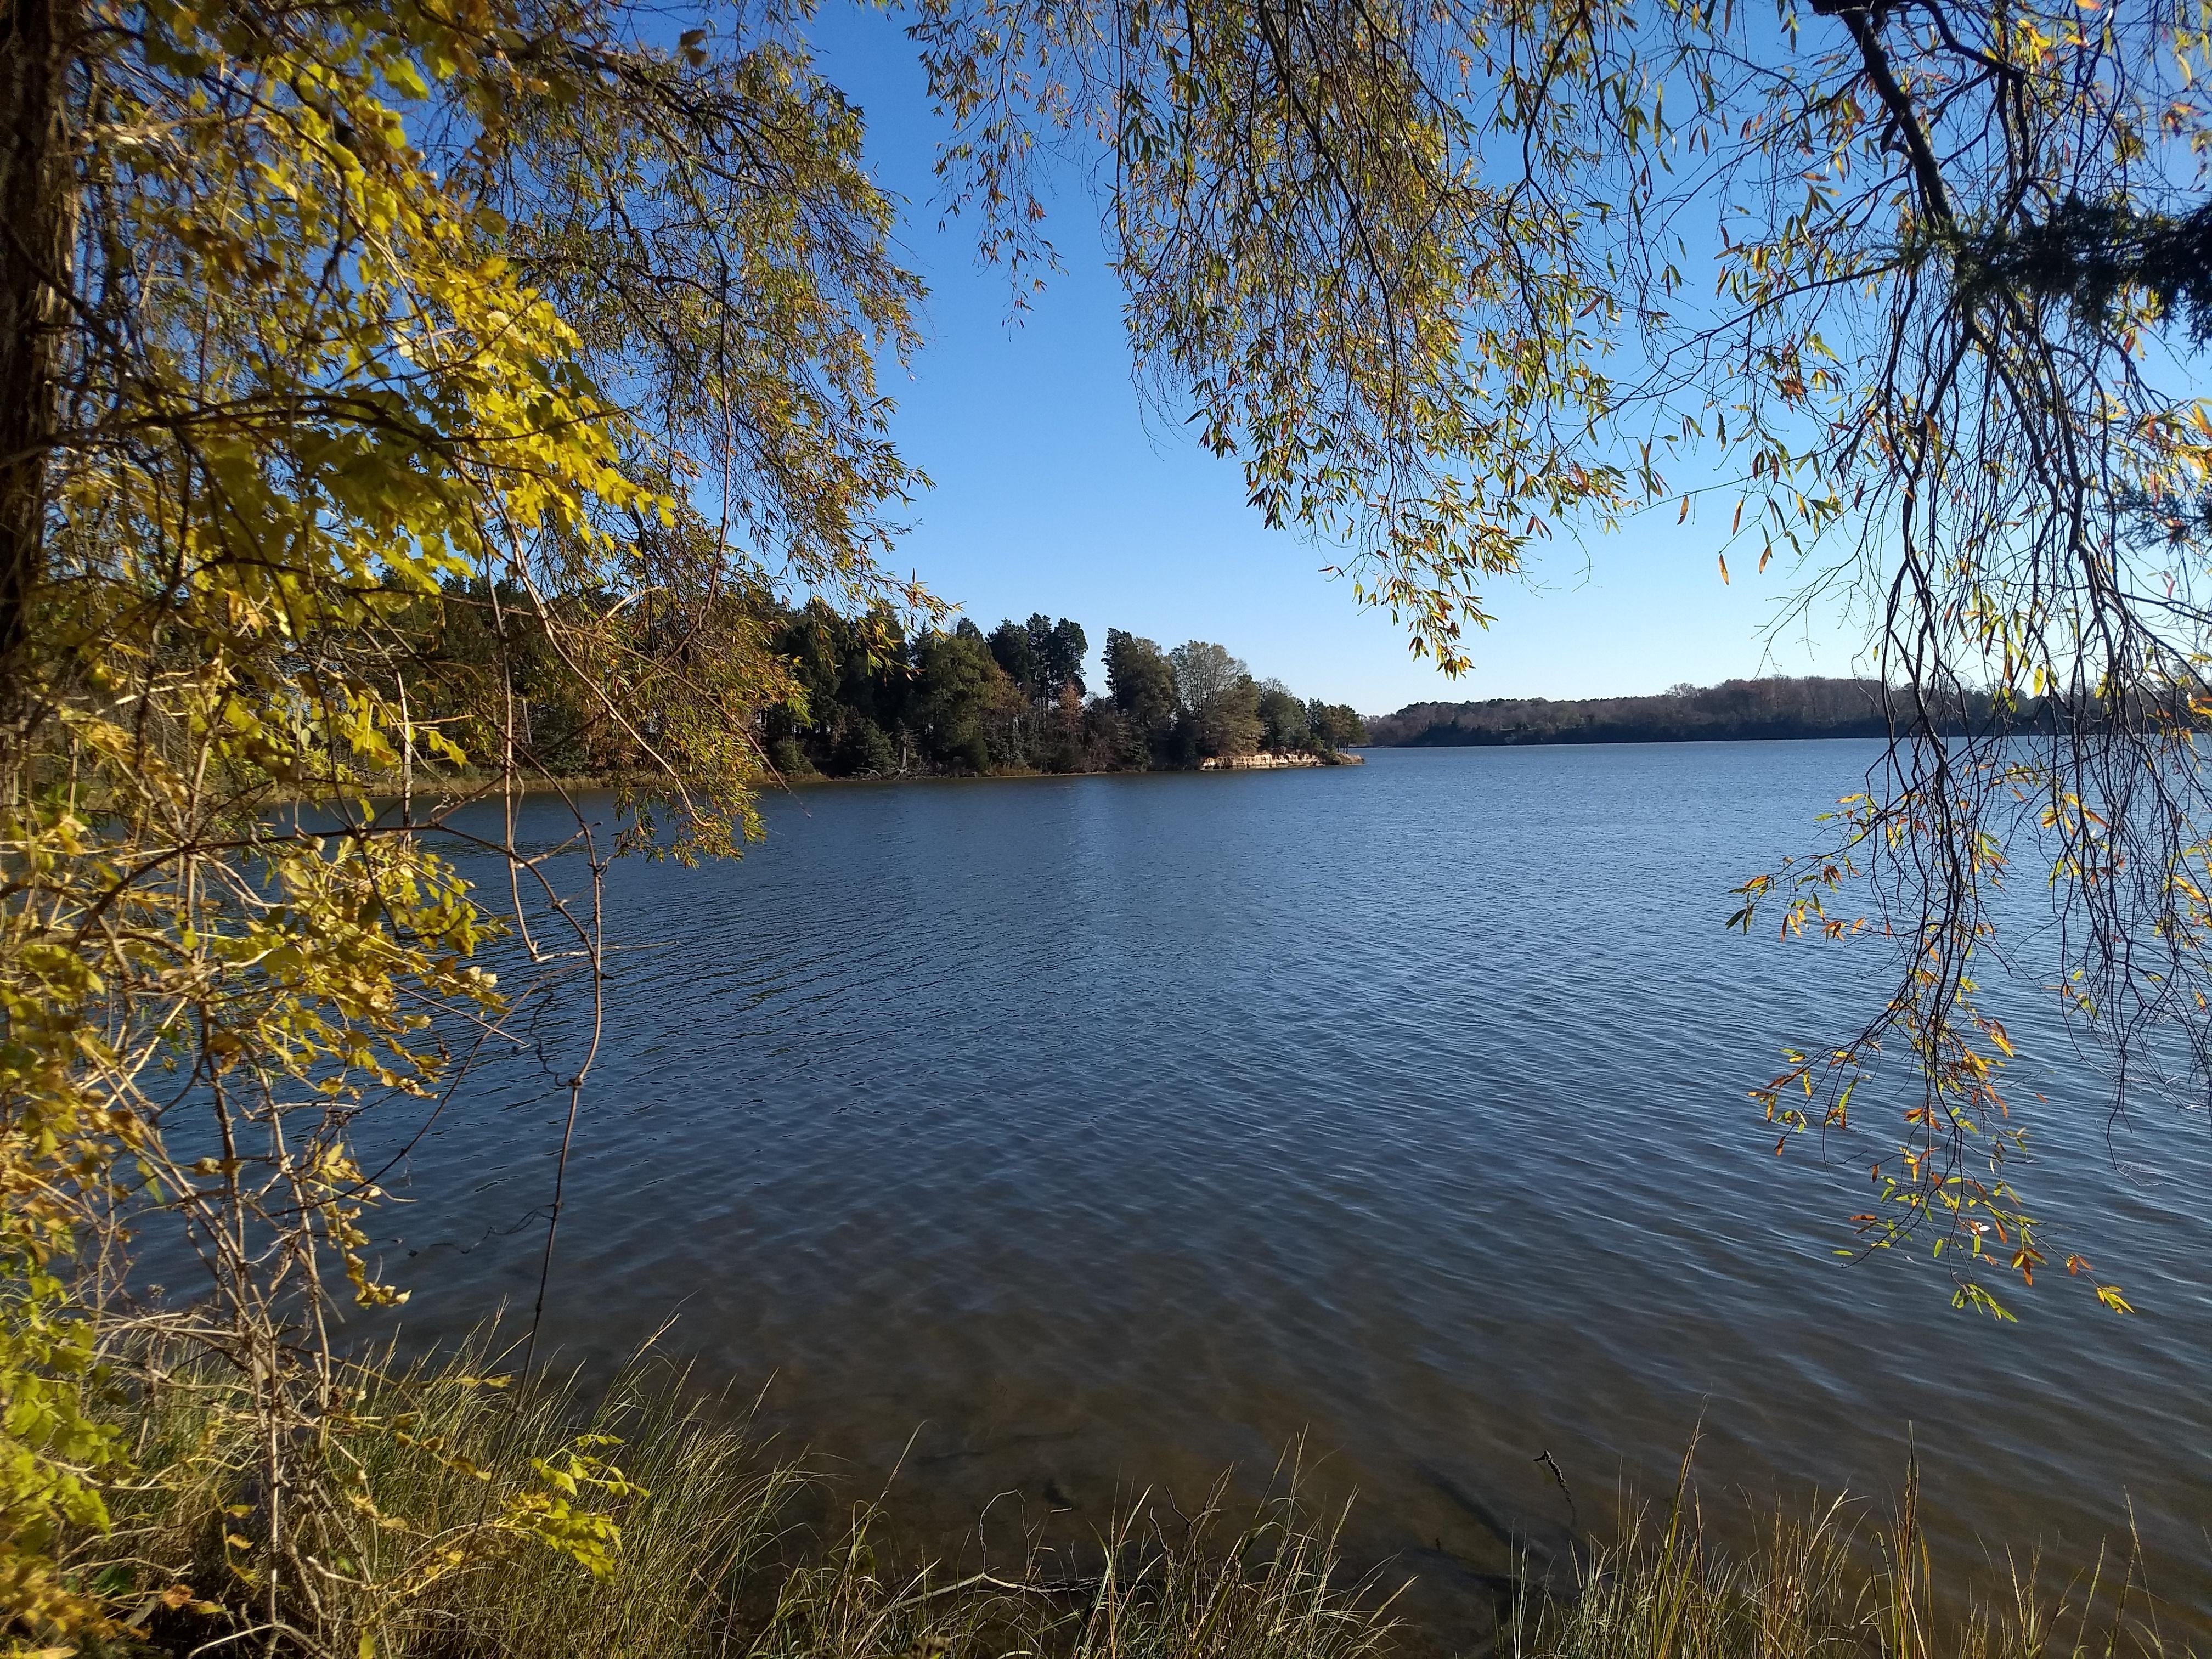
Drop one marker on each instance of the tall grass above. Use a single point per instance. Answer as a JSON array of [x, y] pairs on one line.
[[1826, 1584], [419, 1557], [712, 1560]]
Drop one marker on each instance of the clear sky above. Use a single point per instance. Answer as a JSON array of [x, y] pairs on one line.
[[1055, 491]]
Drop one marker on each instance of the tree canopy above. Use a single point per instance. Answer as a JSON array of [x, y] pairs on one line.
[[370, 383], [877, 703]]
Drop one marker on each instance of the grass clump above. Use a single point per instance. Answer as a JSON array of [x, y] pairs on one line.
[[458, 1516], [1826, 1584]]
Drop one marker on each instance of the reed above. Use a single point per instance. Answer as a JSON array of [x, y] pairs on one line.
[[1827, 1583], [420, 1555]]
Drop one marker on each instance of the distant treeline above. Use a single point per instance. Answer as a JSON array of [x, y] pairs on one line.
[[813, 691], [879, 702], [1733, 710]]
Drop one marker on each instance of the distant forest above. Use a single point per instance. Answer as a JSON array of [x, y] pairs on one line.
[[880, 704], [1733, 710]]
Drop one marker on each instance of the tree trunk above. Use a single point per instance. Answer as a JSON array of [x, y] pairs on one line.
[[37, 230]]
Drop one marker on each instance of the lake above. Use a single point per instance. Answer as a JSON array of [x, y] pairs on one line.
[[1063, 1137]]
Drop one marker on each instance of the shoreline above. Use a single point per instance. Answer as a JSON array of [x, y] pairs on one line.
[[1266, 762], [485, 788], [700, 1536]]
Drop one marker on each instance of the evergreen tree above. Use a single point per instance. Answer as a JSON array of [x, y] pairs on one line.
[[1012, 647]]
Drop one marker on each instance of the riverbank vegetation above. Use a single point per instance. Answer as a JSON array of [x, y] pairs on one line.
[[432, 1500], [812, 689], [874, 700], [727, 1549]]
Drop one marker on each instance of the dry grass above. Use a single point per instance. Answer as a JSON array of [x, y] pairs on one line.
[[416, 1558], [1825, 1585]]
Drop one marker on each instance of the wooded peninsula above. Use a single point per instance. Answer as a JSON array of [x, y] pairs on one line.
[[876, 701]]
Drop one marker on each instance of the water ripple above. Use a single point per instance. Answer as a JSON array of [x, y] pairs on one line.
[[1120, 1129]]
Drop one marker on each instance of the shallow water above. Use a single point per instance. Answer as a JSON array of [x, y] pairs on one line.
[[1105, 1131]]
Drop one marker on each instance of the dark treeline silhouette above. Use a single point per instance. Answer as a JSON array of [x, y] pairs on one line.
[[1733, 710], [879, 702]]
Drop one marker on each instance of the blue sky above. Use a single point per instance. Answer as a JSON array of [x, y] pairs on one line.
[[1055, 492]]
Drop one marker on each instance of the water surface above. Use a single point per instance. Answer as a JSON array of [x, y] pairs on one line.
[[1111, 1130]]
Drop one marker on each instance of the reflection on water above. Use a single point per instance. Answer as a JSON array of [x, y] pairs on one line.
[[1116, 1130]]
